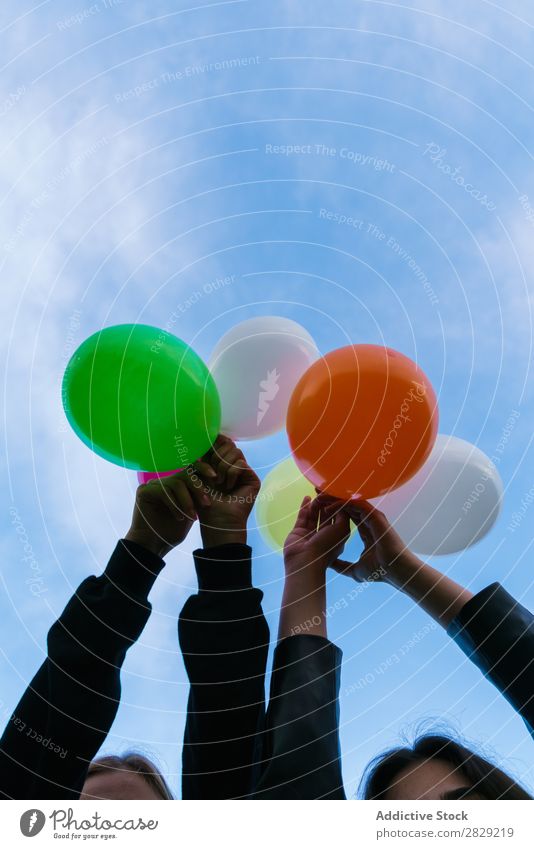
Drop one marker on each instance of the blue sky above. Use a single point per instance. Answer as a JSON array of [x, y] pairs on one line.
[[149, 149]]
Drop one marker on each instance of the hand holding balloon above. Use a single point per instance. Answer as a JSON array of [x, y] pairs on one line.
[[385, 557], [318, 538], [166, 508], [315, 542], [233, 492]]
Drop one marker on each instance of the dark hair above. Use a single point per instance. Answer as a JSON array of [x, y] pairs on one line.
[[132, 762], [484, 778]]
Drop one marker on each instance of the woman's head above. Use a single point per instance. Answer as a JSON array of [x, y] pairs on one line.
[[437, 767], [131, 776]]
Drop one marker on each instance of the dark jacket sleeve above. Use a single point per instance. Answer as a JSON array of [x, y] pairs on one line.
[[497, 634], [66, 712], [301, 754], [224, 639]]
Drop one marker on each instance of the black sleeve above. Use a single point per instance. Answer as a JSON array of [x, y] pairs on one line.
[[497, 634], [66, 712], [224, 639], [301, 754]]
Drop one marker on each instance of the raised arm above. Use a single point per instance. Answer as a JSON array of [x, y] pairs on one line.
[[67, 710], [300, 757], [491, 627], [224, 640]]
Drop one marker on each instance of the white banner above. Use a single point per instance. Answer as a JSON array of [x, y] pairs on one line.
[[256, 825]]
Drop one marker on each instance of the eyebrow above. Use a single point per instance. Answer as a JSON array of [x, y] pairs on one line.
[[458, 793]]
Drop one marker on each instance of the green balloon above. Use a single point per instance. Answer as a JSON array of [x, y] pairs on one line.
[[279, 501], [140, 397]]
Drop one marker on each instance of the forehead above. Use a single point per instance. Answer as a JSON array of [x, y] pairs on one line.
[[426, 779], [115, 784]]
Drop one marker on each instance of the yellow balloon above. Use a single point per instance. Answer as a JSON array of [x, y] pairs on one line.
[[279, 501]]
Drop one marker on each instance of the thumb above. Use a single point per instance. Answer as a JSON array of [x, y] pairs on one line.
[[343, 567]]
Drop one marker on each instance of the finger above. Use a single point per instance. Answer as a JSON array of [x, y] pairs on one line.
[[204, 469], [363, 524], [326, 516], [317, 515], [180, 501], [193, 483], [363, 519], [198, 490], [181, 498], [238, 471], [342, 523], [227, 466], [330, 512], [365, 533], [335, 530], [363, 505], [242, 478], [229, 450], [368, 511], [226, 458], [303, 517], [213, 452], [358, 508], [247, 477], [222, 439], [222, 444], [343, 567]]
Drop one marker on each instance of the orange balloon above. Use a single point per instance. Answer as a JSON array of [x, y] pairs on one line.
[[362, 421]]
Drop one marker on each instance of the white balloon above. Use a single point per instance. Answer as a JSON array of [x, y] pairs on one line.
[[256, 366], [450, 504]]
